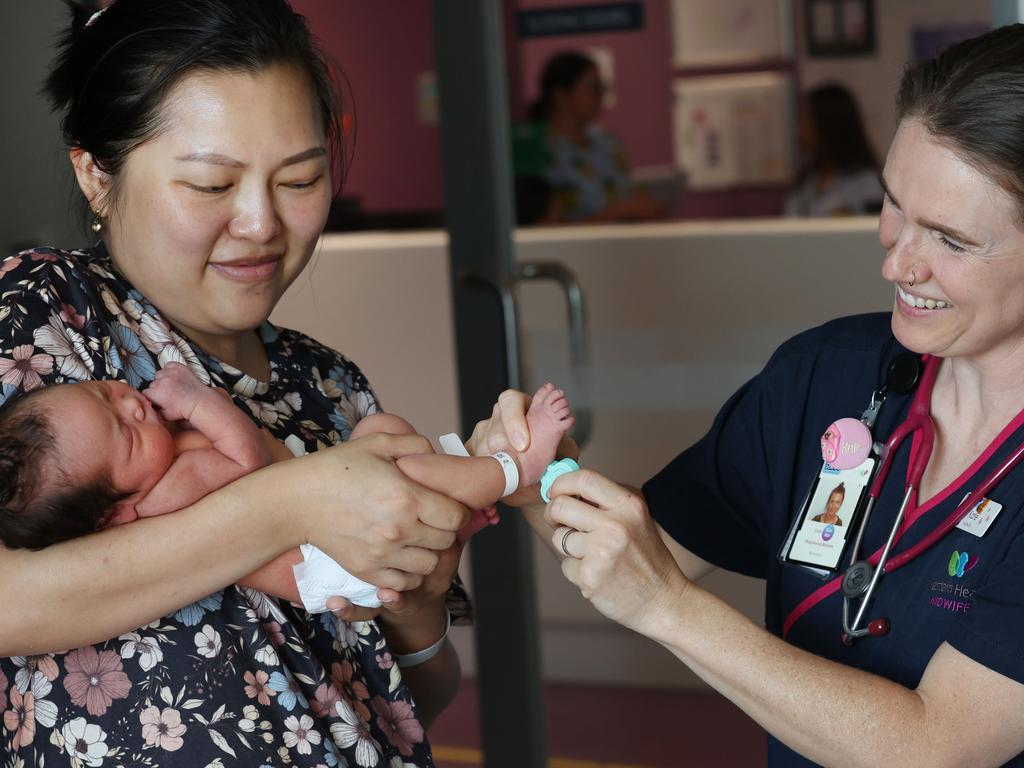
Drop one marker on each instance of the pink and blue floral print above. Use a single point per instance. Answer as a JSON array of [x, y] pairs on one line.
[[237, 678]]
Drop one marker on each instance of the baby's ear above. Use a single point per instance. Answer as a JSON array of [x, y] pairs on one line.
[[123, 512]]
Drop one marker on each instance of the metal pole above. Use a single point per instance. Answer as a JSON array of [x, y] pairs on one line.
[[478, 212]]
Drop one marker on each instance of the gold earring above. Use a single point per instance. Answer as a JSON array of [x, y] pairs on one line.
[[97, 223]]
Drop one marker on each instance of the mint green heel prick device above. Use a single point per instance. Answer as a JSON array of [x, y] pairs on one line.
[[554, 471]]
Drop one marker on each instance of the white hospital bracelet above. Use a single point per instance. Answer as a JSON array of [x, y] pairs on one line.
[[412, 659], [452, 445], [508, 466]]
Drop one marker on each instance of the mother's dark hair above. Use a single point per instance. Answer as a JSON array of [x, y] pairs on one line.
[[112, 75], [971, 97]]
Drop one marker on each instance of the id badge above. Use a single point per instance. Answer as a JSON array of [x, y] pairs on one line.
[[826, 523]]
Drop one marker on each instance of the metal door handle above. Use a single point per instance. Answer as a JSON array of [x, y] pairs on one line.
[[502, 285], [578, 353]]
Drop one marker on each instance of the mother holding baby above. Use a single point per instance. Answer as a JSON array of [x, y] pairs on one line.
[[202, 134]]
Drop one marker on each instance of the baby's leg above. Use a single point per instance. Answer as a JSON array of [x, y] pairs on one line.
[[478, 481]]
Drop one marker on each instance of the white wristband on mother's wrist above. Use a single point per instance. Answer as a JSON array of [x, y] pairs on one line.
[[412, 659]]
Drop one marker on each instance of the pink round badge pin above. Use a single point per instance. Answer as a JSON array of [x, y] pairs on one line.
[[846, 444]]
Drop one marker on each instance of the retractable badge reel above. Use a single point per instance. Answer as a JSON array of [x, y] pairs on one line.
[[844, 441]]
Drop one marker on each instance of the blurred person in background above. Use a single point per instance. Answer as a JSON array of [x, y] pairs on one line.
[[839, 174], [584, 165]]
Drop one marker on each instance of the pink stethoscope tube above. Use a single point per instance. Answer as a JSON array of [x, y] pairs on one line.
[[918, 420]]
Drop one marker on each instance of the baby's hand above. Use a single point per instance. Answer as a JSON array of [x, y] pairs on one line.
[[176, 391]]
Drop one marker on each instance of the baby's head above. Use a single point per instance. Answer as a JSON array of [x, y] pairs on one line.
[[76, 458]]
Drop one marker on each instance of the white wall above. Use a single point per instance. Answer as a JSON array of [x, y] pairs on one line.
[[680, 315]]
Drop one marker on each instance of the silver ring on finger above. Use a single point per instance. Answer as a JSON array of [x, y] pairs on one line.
[[565, 540]]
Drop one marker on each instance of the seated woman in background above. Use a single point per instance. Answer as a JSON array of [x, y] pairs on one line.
[[586, 167], [840, 171]]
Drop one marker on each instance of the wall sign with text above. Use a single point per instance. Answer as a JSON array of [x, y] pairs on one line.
[[581, 20]]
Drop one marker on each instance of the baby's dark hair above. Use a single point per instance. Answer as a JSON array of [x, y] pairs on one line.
[[39, 504]]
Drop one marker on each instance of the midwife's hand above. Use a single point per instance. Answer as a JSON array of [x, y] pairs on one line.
[[357, 506], [507, 429], [615, 555]]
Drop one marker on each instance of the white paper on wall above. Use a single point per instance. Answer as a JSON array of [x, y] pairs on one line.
[[604, 59], [716, 32], [734, 130]]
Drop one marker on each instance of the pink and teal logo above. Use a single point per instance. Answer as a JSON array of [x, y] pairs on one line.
[[828, 532], [960, 563]]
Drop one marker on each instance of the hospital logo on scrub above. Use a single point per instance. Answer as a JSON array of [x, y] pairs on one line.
[[961, 563], [954, 596]]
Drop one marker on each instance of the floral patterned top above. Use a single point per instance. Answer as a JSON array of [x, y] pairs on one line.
[[236, 679], [587, 178]]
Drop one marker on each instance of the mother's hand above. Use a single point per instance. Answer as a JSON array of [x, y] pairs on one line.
[[356, 505], [399, 608], [407, 615], [614, 552]]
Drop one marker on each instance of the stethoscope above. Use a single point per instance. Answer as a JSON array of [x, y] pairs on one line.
[[861, 578]]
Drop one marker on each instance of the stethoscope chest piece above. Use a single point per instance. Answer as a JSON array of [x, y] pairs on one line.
[[857, 579]]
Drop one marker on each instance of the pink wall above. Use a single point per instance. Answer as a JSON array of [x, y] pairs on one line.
[[642, 115], [382, 47]]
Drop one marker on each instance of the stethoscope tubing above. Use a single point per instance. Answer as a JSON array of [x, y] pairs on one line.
[[919, 419], [851, 629], [962, 510], [880, 560]]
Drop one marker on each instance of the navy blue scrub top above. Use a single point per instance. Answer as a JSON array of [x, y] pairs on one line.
[[731, 498]]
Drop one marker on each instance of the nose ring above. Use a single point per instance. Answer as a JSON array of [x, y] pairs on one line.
[[913, 278]]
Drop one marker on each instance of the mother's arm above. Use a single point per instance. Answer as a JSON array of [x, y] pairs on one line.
[[829, 712], [349, 500]]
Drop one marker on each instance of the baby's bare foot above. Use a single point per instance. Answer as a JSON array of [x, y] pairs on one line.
[[549, 417]]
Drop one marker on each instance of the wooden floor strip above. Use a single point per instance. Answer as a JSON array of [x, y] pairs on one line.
[[465, 756]]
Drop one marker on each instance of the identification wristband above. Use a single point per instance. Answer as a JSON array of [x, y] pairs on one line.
[[452, 445], [412, 659], [508, 466]]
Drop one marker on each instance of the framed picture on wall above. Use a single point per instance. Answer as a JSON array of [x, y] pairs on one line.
[[714, 33], [734, 130], [840, 27]]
